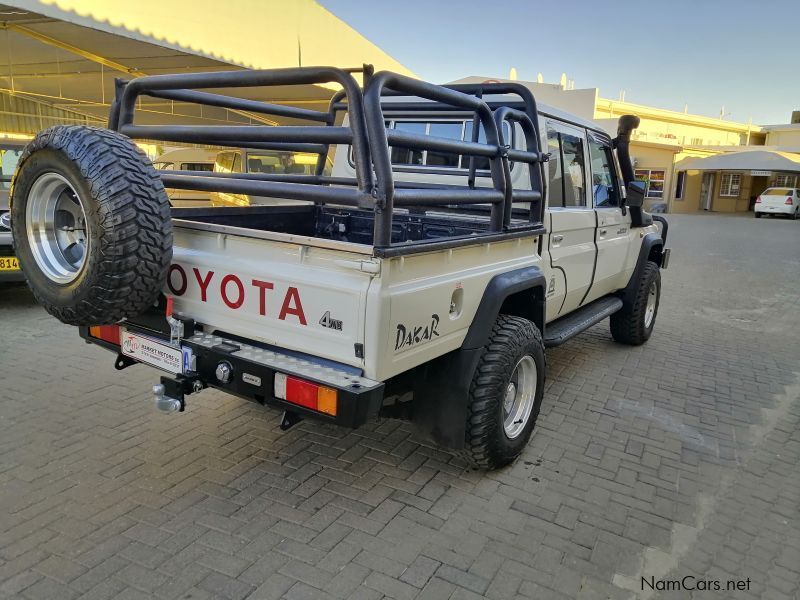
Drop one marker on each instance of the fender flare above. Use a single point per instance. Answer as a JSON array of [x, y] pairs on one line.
[[649, 242], [500, 288]]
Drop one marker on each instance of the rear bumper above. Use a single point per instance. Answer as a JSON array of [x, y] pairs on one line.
[[253, 370], [782, 209]]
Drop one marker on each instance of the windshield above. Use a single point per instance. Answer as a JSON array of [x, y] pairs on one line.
[[10, 158], [778, 192], [281, 162]]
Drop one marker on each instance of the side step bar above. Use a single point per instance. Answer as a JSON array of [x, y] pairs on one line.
[[559, 331]]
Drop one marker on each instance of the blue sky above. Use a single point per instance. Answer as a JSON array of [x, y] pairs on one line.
[[704, 53]]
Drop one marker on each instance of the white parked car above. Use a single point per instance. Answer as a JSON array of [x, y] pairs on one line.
[[778, 201]]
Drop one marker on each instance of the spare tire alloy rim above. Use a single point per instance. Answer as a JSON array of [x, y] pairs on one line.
[[56, 227], [519, 397], [650, 309]]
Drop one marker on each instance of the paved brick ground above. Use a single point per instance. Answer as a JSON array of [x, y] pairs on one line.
[[678, 458]]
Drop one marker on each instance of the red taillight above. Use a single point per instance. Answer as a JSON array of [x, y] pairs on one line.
[[107, 333], [789, 201], [758, 200], [304, 393]]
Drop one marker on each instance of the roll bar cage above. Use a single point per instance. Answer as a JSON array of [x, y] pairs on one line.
[[374, 186]]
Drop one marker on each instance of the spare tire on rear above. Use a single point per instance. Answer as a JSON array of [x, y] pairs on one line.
[[91, 225]]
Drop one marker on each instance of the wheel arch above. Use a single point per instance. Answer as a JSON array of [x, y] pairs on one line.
[[651, 250], [519, 292], [442, 391]]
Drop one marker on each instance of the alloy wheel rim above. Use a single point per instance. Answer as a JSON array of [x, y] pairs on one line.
[[519, 397], [56, 228], [650, 309]]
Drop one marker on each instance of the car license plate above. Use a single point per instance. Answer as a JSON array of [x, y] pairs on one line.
[[151, 351], [9, 263]]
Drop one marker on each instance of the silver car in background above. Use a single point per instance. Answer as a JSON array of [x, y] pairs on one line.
[[10, 151]]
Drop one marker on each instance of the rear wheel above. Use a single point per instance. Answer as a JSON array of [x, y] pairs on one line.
[[505, 394], [758, 215], [634, 322], [91, 225]]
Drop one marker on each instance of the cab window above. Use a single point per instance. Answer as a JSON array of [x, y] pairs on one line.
[[567, 169], [604, 189]]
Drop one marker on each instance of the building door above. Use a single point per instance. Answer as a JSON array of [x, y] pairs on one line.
[[707, 191], [613, 227], [572, 219]]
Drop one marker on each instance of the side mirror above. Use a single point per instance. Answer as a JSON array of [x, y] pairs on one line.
[[635, 194]]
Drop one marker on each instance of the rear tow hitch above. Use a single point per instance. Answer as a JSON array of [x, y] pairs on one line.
[[289, 419], [169, 394]]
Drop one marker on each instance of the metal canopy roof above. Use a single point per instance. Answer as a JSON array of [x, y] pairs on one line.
[[67, 53], [750, 160]]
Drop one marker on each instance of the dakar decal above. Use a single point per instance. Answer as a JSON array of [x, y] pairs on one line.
[[414, 335]]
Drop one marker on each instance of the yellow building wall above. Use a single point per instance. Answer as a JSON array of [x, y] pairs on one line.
[[690, 201], [784, 137], [662, 126]]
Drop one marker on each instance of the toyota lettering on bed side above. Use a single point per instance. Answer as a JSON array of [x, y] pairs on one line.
[[233, 290]]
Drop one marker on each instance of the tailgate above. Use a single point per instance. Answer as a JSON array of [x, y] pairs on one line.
[[290, 295]]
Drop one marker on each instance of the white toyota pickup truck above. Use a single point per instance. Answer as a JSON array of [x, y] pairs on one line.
[[463, 229]]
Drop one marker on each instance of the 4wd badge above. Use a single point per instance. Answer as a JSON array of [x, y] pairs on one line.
[[327, 321]]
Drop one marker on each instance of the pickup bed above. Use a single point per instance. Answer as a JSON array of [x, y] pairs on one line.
[[423, 278]]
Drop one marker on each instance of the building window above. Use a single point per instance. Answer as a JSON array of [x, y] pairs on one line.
[[654, 181], [730, 185], [784, 181], [680, 185]]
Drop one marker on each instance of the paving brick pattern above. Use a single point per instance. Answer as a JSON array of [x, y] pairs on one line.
[[681, 457]]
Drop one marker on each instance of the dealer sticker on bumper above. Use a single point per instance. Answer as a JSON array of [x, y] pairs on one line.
[[152, 352]]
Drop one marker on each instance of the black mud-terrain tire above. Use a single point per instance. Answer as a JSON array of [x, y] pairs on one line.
[[487, 445], [128, 231], [628, 325]]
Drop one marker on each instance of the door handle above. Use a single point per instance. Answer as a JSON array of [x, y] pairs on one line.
[[557, 239], [603, 231]]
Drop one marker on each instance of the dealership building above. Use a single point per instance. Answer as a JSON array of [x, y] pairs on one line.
[[62, 57], [689, 162]]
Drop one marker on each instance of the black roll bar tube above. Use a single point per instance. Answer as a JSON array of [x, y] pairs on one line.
[[379, 140], [532, 156], [254, 106], [246, 133], [310, 192], [272, 77]]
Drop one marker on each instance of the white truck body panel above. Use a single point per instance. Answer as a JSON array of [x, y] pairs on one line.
[[404, 311], [273, 292]]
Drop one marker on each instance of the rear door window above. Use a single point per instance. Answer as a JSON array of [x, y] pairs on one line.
[[567, 166]]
